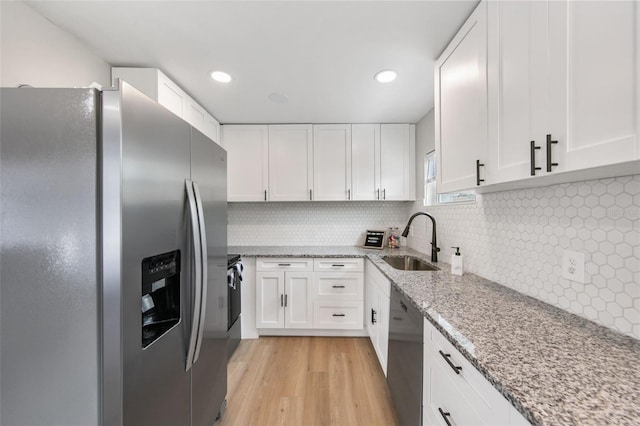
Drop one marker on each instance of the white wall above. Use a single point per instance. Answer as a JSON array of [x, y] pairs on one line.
[[36, 52], [516, 238]]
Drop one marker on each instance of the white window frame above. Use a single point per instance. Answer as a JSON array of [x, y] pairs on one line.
[[431, 196]]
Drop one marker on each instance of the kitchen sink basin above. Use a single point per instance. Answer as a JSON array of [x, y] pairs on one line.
[[409, 263]]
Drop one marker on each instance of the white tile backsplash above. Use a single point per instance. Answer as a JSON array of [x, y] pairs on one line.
[[311, 224], [516, 238]]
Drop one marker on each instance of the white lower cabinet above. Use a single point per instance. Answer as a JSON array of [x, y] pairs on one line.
[[378, 290], [284, 297], [454, 392], [302, 293]]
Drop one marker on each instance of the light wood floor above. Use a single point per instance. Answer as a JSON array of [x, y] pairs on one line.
[[304, 381]]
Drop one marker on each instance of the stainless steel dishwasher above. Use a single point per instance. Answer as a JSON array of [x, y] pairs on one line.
[[404, 370]]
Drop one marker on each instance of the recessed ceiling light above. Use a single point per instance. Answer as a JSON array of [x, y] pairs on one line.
[[221, 76], [278, 98], [385, 76]]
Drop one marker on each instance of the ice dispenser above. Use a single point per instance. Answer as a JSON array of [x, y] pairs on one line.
[[160, 302]]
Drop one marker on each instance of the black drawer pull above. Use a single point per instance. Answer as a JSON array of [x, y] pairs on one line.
[[403, 306], [337, 286], [284, 264], [338, 264], [478, 165], [444, 416], [549, 163], [373, 316], [533, 158], [338, 315], [447, 358]]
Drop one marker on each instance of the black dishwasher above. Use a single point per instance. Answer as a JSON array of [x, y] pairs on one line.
[[404, 369]]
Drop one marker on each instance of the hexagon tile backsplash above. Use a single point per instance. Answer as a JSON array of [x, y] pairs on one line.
[[311, 223], [516, 238]]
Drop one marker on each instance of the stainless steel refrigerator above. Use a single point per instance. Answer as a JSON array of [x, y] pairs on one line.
[[113, 262]]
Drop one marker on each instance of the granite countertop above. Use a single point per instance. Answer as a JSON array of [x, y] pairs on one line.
[[554, 367]]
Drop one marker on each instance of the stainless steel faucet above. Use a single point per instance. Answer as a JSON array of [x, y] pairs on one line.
[[434, 246]]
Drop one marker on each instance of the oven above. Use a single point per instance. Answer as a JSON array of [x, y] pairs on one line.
[[234, 281]]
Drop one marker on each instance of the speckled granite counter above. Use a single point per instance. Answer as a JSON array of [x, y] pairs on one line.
[[555, 367]]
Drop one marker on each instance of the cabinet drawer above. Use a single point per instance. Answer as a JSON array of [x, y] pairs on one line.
[[284, 264], [337, 314], [342, 285], [470, 384], [338, 264]]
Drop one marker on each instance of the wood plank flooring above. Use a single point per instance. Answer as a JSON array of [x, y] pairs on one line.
[[307, 381]]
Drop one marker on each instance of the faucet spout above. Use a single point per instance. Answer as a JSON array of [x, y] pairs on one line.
[[434, 246]]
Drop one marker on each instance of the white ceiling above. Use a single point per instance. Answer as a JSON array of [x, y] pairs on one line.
[[321, 54]]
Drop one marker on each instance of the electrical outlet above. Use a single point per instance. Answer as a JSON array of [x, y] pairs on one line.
[[573, 266]]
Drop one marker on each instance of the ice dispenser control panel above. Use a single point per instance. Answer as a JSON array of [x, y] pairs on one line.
[[160, 304]]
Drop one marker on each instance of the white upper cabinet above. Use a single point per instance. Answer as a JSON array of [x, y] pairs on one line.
[[332, 162], [397, 164], [365, 161], [156, 85], [594, 78], [325, 162], [212, 129], [518, 71], [461, 106], [247, 162], [563, 80], [290, 162], [563, 95]]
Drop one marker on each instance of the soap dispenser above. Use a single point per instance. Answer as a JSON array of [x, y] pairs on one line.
[[457, 262]]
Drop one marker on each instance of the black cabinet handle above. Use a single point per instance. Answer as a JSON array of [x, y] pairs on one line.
[[533, 158], [403, 306], [338, 315], [451, 364], [310, 195], [378, 191], [384, 194], [265, 195], [282, 300], [337, 286], [348, 194], [285, 300], [445, 416], [549, 163], [373, 316], [478, 165]]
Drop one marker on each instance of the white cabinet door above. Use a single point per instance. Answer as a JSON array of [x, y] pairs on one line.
[[298, 293], [270, 290], [377, 312], [172, 97], [290, 162], [195, 115], [461, 106], [332, 162], [382, 323], [594, 83], [365, 161], [397, 164], [518, 93], [247, 159], [212, 128]]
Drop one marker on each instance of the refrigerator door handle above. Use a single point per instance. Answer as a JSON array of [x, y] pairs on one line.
[[197, 246], [203, 275]]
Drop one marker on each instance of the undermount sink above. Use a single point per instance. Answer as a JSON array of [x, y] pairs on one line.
[[409, 263]]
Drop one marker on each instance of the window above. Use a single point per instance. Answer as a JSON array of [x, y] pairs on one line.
[[431, 196]]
